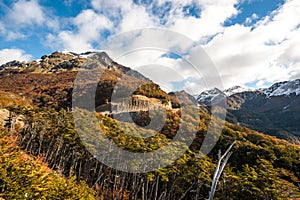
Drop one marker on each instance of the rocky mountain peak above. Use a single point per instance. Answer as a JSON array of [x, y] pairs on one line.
[[285, 88], [57, 62], [235, 89], [209, 96], [273, 110]]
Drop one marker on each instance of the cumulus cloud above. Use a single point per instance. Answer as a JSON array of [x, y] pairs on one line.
[[137, 19], [26, 12], [213, 14], [263, 54], [88, 30], [126, 15], [242, 53], [11, 35], [7, 55], [23, 17], [259, 50]]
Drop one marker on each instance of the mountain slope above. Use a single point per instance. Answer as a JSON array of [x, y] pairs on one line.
[[285, 88], [49, 81], [261, 166], [26, 177], [274, 110]]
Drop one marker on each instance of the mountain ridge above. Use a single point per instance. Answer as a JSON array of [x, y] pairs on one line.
[[273, 110], [282, 88], [260, 165], [57, 62]]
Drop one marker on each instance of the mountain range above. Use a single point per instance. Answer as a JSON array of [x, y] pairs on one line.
[[45, 158], [273, 110], [49, 81]]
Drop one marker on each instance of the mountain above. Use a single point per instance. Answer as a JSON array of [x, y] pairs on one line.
[[180, 98], [49, 81], [45, 157], [260, 165], [209, 96], [235, 89], [67, 61], [273, 110], [285, 88]]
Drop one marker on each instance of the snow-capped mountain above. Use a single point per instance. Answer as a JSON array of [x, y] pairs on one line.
[[285, 88], [214, 94], [273, 110], [235, 89], [209, 96]]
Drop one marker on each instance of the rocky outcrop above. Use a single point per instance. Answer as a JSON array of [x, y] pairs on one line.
[[4, 114], [7, 119], [136, 103]]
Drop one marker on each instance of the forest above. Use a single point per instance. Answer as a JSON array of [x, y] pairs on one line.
[[47, 160], [44, 156]]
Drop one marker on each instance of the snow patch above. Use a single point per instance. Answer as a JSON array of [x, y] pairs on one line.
[[236, 89], [285, 88]]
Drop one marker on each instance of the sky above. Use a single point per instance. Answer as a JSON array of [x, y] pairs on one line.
[[252, 43]]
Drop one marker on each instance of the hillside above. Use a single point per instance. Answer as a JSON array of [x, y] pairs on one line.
[[49, 81], [27, 177], [261, 166]]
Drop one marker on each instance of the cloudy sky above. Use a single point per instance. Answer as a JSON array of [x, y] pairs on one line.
[[250, 42]]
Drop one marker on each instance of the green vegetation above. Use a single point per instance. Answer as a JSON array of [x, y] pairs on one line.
[[261, 167], [45, 158], [26, 177], [153, 91], [276, 122], [9, 99]]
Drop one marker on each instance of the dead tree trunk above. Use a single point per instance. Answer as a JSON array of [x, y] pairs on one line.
[[219, 169]]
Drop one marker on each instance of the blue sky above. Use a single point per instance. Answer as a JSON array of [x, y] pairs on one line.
[[251, 42]]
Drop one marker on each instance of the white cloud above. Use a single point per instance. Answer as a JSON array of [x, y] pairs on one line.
[[108, 6], [24, 18], [262, 50], [213, 14], [136, 19], [125, 14], [11, 35], [253, 17], [90, 24], [26, 12], [265, 54], [7, 55], [88, 29], [2, 27]]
